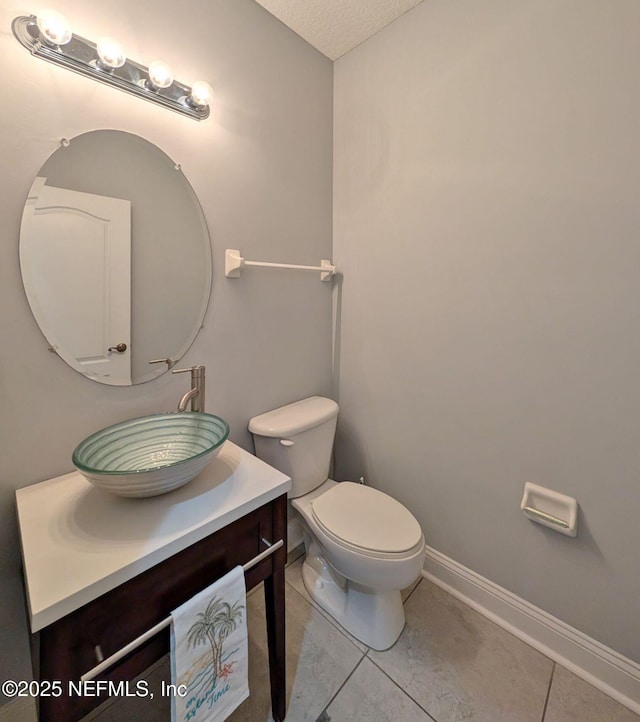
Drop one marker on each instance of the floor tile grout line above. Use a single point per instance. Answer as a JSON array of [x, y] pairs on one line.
[[404, 691], [348, 677], [546, 699], [404, 601]]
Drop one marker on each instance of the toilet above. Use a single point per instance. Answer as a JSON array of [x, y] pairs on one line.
[[362, 546]]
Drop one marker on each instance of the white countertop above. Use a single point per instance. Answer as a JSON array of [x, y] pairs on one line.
[[79, 542]]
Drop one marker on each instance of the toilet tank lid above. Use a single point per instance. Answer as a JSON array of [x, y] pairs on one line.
[[294, 418]]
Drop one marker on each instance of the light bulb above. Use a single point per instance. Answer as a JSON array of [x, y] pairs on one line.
[[110, 53], [54, 27], [201, 93], [160, 75]]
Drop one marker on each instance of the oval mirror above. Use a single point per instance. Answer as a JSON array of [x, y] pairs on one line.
[[115, 257]]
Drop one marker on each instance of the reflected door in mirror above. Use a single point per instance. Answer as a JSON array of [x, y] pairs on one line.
[[78, 277]]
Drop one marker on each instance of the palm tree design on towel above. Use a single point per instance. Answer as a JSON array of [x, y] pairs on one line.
[[212, 627]]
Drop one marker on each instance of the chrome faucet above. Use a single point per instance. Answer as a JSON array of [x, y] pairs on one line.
[[195, 395]]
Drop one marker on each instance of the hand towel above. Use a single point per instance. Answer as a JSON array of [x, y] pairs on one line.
[[209, 652]]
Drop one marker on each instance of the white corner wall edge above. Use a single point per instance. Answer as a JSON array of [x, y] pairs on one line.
[[294, 536], [600, 666]]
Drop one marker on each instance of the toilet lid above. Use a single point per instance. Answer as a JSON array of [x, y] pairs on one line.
[[367, 518]]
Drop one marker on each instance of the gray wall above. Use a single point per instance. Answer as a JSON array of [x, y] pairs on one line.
[[486, 218], [262, 168]]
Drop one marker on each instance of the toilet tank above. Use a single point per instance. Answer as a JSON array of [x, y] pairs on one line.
[[297, 439]]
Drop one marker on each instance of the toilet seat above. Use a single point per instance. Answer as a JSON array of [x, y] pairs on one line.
[[386, 530]]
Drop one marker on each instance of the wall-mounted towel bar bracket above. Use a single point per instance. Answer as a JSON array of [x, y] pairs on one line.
[[234, 263], [138, 641]]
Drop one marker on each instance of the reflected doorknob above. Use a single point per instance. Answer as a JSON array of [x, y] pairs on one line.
[[120, 348]]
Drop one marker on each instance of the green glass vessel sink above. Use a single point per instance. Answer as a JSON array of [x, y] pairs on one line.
[[151, 455]]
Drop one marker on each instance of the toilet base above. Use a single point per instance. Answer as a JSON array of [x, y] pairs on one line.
[[375, 618]]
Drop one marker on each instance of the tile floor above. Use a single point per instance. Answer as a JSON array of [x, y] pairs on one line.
[[450, 665]]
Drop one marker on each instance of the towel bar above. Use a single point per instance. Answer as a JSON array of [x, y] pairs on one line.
[[110, 661], [234, 263]]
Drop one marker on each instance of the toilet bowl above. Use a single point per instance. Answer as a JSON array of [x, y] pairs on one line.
[[357, 581], [362, 546]]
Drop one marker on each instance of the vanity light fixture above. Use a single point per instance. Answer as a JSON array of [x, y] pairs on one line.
[[54, 28], [200, 94], [48, 36], [160, 75], [110, 54]]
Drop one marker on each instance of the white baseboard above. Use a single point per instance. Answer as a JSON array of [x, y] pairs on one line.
[[600, 666]]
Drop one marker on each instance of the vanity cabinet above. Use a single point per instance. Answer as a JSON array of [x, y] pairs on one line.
[[64, 648]]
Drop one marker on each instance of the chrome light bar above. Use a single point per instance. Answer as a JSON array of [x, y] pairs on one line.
[[82, 56]]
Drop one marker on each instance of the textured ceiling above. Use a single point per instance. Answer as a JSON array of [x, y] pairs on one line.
[[336, 26]]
